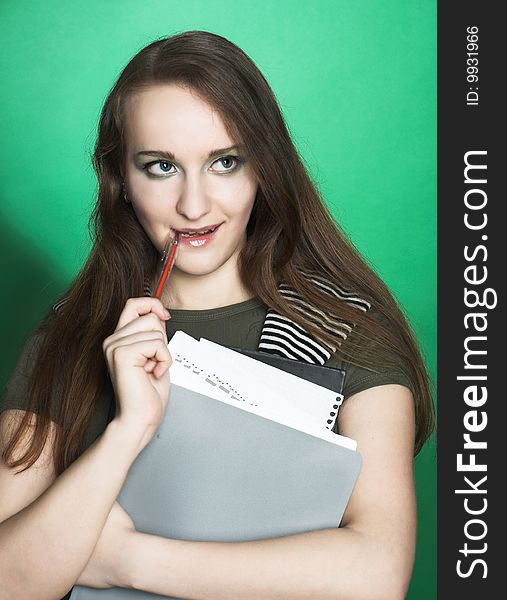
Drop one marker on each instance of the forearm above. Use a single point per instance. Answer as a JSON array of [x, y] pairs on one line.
[[341, 564], [46, 545]]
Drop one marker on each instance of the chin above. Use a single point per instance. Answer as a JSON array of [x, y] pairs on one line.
[[205, 265]]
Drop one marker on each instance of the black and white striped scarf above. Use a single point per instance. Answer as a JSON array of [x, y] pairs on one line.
[[281, 335]]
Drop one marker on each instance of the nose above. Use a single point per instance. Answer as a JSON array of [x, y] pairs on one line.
[[193, 202]]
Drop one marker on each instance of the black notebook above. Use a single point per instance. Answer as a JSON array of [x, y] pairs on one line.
[[328, 377]]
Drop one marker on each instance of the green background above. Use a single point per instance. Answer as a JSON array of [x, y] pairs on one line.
[[356, 82]]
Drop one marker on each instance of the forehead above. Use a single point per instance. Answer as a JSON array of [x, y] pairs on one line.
[[173, 118]]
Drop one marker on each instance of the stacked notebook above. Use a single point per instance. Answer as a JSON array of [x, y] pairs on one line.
[[245, 451]]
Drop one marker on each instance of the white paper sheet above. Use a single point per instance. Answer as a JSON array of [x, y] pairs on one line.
[[228, 376]]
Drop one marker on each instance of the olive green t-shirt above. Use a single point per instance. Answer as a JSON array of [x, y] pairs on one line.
[[237, 325]]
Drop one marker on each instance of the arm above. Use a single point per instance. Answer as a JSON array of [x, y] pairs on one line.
[[43, 516], [369, 557], [49, 526]]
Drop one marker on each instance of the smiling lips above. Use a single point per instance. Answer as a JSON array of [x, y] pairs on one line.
[[197, 238], [197, 233]]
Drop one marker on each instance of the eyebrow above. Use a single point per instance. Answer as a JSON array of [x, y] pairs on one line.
[[170, 155]]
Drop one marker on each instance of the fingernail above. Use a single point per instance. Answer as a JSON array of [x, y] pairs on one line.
[[167, 313]]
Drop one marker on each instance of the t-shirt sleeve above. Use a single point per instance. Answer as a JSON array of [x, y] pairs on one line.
[[16, 390], [15, 394], [358, 378]]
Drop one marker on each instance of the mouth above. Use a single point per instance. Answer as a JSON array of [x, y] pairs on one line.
[[197, 237]]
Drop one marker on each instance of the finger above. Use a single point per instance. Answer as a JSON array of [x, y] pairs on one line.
[[136, 307], [138, 353], [148, 322], [160, 369], [115, 341], [150, 365]]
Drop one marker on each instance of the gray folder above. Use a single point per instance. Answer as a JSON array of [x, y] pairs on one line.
[[215, 472]]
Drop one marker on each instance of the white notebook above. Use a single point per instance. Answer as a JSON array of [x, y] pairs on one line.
[[231, 377]]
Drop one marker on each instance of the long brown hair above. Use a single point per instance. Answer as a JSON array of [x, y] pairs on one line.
[[290, 233]]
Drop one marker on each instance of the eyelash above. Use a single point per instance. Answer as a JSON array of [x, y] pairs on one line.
[[238, 159]]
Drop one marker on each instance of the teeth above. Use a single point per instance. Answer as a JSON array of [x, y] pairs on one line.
[[198, 233]]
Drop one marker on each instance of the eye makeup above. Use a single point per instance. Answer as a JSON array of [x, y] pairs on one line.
[[238, 159]]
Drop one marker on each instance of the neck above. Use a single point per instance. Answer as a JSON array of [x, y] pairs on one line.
[[203, 292]]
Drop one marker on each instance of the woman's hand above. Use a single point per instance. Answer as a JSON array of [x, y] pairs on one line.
[[138, 361], [107, 564]]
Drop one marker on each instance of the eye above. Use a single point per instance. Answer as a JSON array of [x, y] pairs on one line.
[[230, 162], [163, 164], [226, 162]]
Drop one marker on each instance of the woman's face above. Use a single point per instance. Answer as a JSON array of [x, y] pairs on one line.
[[182, 174]]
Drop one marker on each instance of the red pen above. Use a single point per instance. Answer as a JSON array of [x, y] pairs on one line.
[[168, 258]]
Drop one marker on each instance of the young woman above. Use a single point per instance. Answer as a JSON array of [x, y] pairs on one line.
[[191, 139]]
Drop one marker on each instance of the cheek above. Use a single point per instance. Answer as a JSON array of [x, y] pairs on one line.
[[146, 192], [246, 212], [242, 201], [149, 216], [147, 200], [145, 214]]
